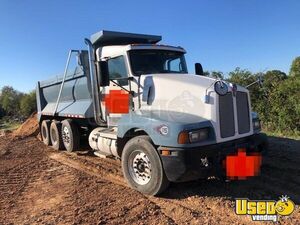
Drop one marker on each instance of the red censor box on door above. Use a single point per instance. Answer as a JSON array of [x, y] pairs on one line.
[[117, 101]]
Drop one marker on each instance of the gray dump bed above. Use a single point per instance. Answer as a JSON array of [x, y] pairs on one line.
[[75, 100]]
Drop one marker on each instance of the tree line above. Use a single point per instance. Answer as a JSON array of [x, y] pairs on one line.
[[277, 100], [15, 104]]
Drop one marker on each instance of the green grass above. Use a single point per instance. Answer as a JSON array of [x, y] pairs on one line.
[[9, 125], [286, 134]]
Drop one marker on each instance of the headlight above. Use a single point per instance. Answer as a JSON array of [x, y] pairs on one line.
[[194, 136], [198, 135], [256, 124]]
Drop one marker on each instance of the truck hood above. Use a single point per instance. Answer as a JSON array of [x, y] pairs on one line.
[[177, 97]]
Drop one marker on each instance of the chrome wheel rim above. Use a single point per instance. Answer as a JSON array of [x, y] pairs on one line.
[[139, 167], [66, 135]]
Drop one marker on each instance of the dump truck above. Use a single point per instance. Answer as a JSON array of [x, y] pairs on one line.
[[133, 99]]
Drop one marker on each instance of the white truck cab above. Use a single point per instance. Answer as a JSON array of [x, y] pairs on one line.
[[140, 104]]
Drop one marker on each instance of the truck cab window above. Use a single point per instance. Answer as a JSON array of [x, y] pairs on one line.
[[117, 69], [152, 61], [174, 65]]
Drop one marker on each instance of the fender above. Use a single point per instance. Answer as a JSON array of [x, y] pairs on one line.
[[152, 125]]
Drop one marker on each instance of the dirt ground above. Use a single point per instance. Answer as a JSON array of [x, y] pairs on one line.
[[39, 185]]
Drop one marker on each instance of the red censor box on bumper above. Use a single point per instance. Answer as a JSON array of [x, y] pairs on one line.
[[241, 166]]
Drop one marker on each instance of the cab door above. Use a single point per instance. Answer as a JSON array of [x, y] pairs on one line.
[[116, 99]]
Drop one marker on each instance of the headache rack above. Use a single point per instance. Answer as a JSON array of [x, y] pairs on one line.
[[104, 38]]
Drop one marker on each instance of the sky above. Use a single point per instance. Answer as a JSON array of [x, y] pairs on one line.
[[258, 35]]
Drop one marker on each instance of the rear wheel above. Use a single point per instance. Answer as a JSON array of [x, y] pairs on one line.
[[70, 135], [45, 132], [55, 135], [142, 166]]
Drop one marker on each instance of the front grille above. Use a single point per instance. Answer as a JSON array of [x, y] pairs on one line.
[[226, 115], [242, 106]]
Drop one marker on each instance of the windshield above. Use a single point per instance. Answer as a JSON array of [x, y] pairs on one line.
[[157, 61]]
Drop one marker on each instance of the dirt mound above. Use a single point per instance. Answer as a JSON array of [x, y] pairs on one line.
[[3, 133], [29, 128]]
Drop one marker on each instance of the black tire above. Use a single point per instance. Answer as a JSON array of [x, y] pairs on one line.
[[45, 132], [70, 135], [157, 181], [55, 135]]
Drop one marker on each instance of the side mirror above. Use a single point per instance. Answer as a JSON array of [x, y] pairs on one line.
[[198, 69], [104, 73]]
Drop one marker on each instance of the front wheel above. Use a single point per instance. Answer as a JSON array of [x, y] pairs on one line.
[[142, 166]]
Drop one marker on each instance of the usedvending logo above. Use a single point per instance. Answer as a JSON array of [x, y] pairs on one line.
[[265, 210]]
